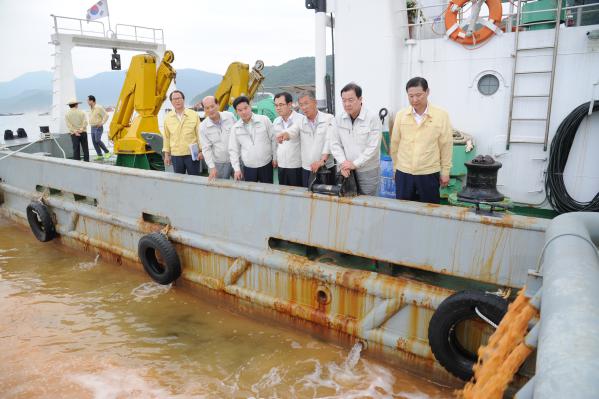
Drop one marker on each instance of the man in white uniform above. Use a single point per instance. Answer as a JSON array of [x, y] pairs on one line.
[[214, 136], [315, 133], [289, 157], [252, 140], [356, 141]]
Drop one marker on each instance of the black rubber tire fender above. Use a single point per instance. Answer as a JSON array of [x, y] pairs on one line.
[[169, 269], [441, 329], [40, 221]]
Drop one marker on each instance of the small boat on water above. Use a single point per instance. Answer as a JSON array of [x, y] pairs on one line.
[[423, 284]]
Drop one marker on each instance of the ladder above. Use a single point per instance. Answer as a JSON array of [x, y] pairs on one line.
[[515, 73]]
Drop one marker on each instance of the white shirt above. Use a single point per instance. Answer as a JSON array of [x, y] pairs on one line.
[[315, 137], [254, 142], [419, 118], [359, 141], [214, 138], [288, 152]]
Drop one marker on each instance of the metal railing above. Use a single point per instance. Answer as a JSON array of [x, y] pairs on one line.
[[574, 16], [139, 33], [77, 26], [83, 27]]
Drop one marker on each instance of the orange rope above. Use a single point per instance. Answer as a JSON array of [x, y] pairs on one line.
[[505, 352]]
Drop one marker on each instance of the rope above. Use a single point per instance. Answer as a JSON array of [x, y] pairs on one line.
[[20, 149], [557, 194], [503, 355]]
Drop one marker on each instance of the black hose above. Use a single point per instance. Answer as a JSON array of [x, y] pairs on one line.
[[557, 194]]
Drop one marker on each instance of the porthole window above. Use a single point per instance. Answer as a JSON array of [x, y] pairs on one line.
[[488, 85]]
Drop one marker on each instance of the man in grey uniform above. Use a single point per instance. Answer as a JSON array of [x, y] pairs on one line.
[[214, 137], [356, 141], [252, 141], [315, 132], [289, 157]]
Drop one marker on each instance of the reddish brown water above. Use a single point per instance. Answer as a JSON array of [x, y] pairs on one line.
[[71, 327]]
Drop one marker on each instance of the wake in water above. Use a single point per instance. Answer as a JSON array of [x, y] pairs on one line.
[[4, 259], [88, 265], [149, 290]]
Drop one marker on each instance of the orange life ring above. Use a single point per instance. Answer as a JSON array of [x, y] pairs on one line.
[[456, 33]]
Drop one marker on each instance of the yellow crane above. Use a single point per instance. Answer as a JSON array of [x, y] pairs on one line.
[[144, 92], [239, 81]]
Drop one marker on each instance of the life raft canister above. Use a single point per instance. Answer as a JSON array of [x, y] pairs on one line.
[[490, 26]]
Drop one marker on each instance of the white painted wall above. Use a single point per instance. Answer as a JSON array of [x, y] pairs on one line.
[[370, 49]]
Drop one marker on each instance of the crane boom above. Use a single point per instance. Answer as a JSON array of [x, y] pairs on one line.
[[144, 92]]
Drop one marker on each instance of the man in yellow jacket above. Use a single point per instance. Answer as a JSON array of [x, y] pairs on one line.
[[181, 145], [421, 146]]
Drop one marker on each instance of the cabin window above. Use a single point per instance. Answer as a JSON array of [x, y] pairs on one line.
[[488, 84]]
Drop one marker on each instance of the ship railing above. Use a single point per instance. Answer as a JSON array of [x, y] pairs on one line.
[[77, 26], [573, 14], [83, 27], [139, 33]]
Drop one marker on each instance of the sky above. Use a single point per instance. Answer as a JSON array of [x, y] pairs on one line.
[[204, 34]]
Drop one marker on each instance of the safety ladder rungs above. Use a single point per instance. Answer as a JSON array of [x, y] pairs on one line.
[[531, 96], [534, 48], [529, 119], [531, 72], [522, 141]]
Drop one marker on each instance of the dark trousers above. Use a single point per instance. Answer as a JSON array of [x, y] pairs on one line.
[[263, 174], [97, 140], [80, 142], [330, 180], [290, 176], [422, 188], [184, 163]]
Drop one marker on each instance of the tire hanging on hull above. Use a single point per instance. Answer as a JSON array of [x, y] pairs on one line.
[[163, 271], [457, 308], [40, 221]]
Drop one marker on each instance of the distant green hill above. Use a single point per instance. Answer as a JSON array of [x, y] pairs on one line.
[[299, 71]]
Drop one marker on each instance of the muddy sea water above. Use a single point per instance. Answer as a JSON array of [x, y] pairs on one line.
[[75, 326]]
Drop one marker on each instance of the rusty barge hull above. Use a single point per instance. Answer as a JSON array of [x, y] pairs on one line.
[[223, 232]]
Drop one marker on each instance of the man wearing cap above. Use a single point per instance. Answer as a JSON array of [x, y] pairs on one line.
[[77, 125]]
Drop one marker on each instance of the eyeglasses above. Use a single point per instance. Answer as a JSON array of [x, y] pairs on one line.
[[176, 98]]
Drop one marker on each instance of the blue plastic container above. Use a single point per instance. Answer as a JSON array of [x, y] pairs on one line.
[[387, 184]]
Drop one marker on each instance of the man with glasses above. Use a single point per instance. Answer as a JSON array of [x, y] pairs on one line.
[[356, 140], [286, 126], [181, 147], [421, 146]]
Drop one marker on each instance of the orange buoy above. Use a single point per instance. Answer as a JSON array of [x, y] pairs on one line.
[[490, 26]]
